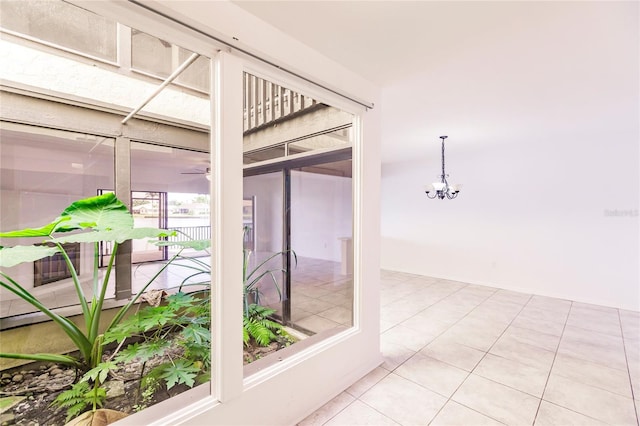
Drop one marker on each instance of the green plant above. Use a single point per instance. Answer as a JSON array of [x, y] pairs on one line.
[[258, 326], [149, 385], [79, 397], [251, 276], [182, 323], [98, 219]]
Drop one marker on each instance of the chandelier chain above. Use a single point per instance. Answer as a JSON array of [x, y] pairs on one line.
[[443, 176]]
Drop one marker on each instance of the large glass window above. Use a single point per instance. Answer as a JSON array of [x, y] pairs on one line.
[[42, 171], [62, 24], [158, 168], [298, 175]]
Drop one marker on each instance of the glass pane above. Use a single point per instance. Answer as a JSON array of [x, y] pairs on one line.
[[42, 172], [161, 346], [159, 58], [171, 191], [266, 193], [321, 235], [62, 24], [279, 122], [298, 172]]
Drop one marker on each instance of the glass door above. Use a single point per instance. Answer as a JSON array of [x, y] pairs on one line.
[[149, 211]]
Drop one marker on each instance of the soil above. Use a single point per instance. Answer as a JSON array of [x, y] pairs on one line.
[[29, 390]]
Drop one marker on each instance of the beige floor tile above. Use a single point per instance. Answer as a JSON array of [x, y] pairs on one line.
[[547, 327], [589, 373], [532, 337], [592, 337], [595, 321], [446, 350], [313, 305], [510, 348], [298, 314], [394, 313], [630, 324], [553, 415], [426, 325], [393, 354], [403, 401], [432, 374], [454, 414], [514, 374], [364, 384], [601, 353], [466, 299], [451, 285], [590, 401], [329, 410], [444, 312], [317, 324], [497, 401], [511, 297], [336, 298], [550, 303], [538, 313], [579, 307], [359, 414], [338, 314], [495, 311], [476, 335], [386, 325], [634, 375], [408, 337]]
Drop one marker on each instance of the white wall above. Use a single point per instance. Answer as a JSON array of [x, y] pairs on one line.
[[320, 214], [542, 117]]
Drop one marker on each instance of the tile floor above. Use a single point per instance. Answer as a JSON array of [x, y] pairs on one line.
[[322, 298], [460, 354]]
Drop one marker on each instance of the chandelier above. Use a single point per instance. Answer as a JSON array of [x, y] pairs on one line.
[[443, 188]]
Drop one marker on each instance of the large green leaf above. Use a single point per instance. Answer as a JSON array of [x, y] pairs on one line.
[[117, 235], [44, 231], [61, 359], [102, 213], [12, 256]]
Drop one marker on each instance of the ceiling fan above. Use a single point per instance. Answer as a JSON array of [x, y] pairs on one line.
[[206, 173]]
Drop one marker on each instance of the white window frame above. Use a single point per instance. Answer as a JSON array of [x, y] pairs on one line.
[[262, 397]]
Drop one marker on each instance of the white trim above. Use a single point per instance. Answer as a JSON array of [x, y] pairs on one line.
[[66, 49]]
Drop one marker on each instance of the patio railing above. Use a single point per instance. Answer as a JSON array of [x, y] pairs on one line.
[[266, 102]]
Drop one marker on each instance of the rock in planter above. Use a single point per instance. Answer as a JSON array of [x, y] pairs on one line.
[[114, 388]]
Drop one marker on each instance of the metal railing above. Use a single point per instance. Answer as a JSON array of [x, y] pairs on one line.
[[265, 102], [189, 233]]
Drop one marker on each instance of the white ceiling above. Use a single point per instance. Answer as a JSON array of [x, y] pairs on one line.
[[388, 40]]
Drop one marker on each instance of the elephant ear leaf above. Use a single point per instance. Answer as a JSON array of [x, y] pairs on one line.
[[12, 256], [44, 231], [101, 213]]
